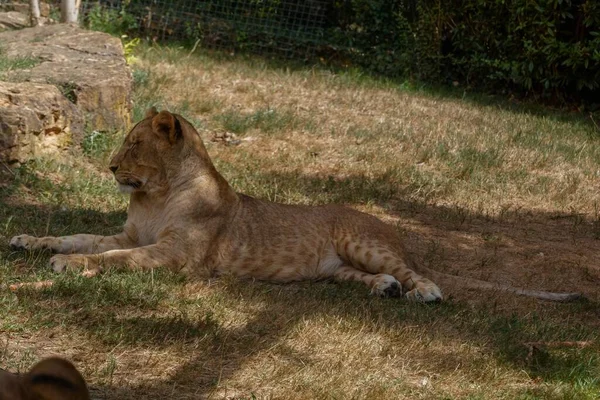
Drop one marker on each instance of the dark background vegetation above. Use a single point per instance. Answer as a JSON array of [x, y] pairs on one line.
[[545, 49]]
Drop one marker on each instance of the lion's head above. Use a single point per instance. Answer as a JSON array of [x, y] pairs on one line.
[[155, 149], [139, 165], [163, 153]]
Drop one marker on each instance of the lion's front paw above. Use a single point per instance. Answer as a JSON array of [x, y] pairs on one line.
[[22, 242], [386, 286], [63, 262], [425, 291]]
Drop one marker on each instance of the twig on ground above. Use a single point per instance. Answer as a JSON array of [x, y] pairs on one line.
[[538, 346], [194, 48], [594, 121]]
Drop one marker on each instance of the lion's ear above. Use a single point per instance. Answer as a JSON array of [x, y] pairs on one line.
[[151, 112], [56, 379], [164, 123]]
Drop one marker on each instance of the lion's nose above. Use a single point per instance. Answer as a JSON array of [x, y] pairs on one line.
[[114, 168]]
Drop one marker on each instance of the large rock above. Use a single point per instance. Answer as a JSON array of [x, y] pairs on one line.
[[88, 68], [35, 119], [17, 15], [13, 20], [22, 8]]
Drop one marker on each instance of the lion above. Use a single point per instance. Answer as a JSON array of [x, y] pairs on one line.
[[183, 215], [53, 378]]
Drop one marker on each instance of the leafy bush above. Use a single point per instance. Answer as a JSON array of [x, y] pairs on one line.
[[546, 47], [374, 34], [112, 21], [551, 47]]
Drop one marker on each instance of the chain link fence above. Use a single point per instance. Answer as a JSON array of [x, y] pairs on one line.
[[293, 28]]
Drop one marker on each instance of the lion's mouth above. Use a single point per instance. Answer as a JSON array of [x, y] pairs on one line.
[[127, 188], [128, 184]]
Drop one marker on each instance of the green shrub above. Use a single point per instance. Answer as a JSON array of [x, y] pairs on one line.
[[546, 47], [112, 21], [550, 47], [374, 34]]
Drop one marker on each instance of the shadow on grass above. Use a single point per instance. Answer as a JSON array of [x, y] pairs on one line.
[[515, 106], [220, 351]]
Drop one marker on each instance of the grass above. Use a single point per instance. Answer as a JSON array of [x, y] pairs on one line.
[[68, 89], [476, 188], [8, 64], [265, 120]]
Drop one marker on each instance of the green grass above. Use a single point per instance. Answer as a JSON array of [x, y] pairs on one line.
[[474, 189], [154, 310], [9, 64], [266, 120], [68, 89], [13, 63], [101, 146]]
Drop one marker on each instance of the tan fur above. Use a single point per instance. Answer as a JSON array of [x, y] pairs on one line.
[[50, 379], [184, 215]]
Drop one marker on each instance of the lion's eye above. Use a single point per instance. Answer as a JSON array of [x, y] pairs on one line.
[[134, 149]]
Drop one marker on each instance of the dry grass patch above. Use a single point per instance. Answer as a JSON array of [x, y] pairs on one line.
[[451, 152], [482, 190]]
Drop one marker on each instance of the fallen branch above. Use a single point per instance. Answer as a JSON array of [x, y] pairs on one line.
[[552, 345], [194, 48], [538, 346], [594, 121]]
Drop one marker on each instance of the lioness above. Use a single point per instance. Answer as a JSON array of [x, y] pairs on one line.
[[184, 215], [51, 379]]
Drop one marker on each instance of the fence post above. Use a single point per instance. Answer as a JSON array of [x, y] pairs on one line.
[[69, 11], [34, 8]]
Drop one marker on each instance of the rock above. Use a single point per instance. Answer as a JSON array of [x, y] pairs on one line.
[[13, 20], [35, 119], [23, 8], [91, 86], [89, 68]]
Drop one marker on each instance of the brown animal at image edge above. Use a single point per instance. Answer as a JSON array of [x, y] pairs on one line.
[[50, 379], [183, 215]]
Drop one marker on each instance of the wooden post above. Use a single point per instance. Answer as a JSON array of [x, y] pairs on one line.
[[35, 12], [69, 11]]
